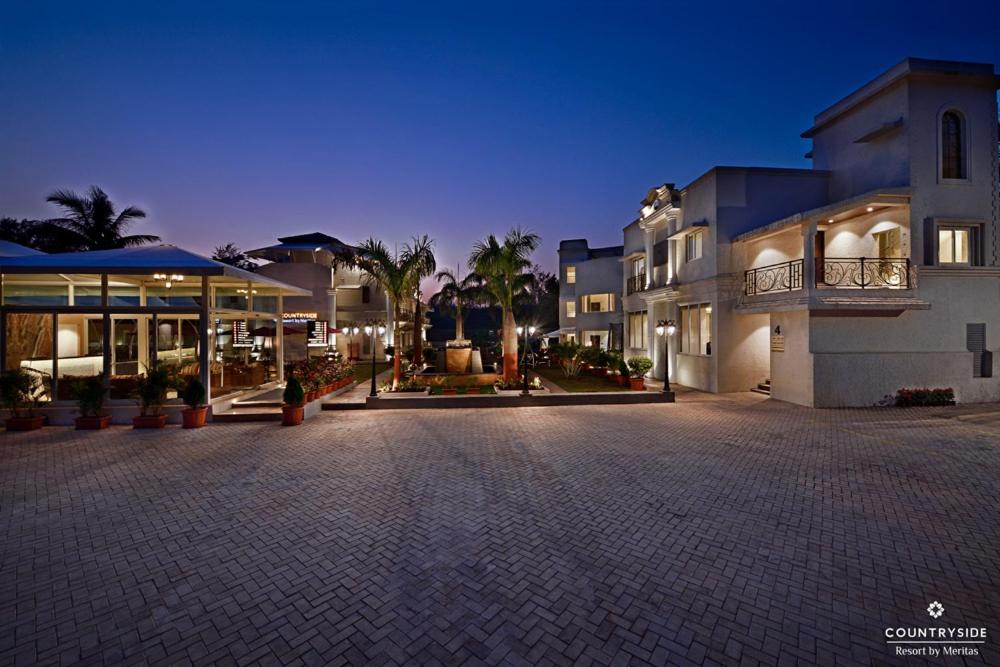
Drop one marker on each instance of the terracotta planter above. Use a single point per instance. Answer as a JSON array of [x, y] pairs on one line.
[[472, 390], [195, 417], [449, 392], [310, 396], [92, 423], [620, 379], [25, 423], [149, 421], [292, 415], [600, 372], [637, 384]]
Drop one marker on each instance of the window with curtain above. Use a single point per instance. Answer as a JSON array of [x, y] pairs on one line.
[[696, 329], [571, 309], [952, 146], [958, 245], [693, 244], [637, 324]]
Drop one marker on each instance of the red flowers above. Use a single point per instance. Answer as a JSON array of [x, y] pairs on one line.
[[921, 397]]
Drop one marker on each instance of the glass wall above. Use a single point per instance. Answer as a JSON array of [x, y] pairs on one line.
[[80, 346], [43, 289], [28, 341]]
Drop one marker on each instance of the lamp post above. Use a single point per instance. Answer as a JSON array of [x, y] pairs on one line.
[[527, 331], [666, 328], [370, 330]]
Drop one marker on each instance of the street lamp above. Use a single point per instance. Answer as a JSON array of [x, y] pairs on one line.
[[527, 331], [666, 328], [369, 330]]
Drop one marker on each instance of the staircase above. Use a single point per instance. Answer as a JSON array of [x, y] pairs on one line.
[[763, 388]]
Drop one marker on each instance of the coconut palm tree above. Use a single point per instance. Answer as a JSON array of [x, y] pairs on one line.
[[91, 223], [398, 274], [455, 295], [422, 250], [506, 270]]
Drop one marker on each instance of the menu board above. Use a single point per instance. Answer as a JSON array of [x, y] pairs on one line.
[[241, 336], [317, 333]]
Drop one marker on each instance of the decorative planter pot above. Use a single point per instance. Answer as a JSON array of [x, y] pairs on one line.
[[149, 421], [92, 423], [472, 390], [25, 423], [620, 379], [310, 396], [637, 384], [195, 417], [449, 392], [600, 372], [292, 415]]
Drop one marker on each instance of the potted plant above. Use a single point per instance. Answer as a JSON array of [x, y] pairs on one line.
[[293, 412], [21, 390], [638, 367], [151, 393], [90, 394], [193, 395], [622, 376]]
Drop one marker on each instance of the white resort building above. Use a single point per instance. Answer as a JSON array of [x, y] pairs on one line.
[[877, 269]]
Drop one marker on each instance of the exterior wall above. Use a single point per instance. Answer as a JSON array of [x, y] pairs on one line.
[[792, 369], [861, 167], [854, 238], [601, 274]]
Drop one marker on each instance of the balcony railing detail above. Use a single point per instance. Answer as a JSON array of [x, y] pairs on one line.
[[783, 277], [636, 283], [863, 272]]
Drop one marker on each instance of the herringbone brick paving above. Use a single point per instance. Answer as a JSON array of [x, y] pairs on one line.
[[723, 531]]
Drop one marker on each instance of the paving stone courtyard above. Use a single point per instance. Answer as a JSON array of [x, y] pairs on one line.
[[713, 531]]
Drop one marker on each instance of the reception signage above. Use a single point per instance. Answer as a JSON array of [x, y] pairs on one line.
[[317, 333], [241, 335]]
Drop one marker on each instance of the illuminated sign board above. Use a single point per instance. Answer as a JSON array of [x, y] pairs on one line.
[[317, 333], [298, 316], [241, 335]]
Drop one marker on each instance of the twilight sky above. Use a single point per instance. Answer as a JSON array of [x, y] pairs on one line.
[[244, 122]]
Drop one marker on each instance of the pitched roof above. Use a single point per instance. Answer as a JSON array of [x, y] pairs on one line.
[[146, 259], [11, 249]]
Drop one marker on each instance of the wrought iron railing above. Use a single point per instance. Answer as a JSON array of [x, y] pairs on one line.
[[636, 283], [783, 277], [863, 272]]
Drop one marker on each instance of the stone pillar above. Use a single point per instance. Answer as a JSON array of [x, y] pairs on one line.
[[651, 348]]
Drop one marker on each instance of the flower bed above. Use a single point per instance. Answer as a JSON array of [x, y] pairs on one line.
[[320, 376], [925, 397]]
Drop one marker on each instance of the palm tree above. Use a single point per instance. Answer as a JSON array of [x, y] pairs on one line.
[[398, 274], [454, 295], [91, 222], [425, 265], [506, 270]]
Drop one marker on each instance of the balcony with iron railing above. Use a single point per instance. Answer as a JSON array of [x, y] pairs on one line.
[[831, 273], [636, 283]]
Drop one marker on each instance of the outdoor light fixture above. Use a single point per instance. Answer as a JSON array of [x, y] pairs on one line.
[[368, 330], [870, 209], [527, 331], [170, 280], [668, 328]]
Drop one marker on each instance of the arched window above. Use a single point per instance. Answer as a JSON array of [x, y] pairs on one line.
[[952, 146]]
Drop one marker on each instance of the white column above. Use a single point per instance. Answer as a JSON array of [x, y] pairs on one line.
[[650, 237], [652, 351]]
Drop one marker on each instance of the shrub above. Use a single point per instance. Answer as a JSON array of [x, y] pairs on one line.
[[924, 397], [193, 393], [639, 366], [151, 390], [21, 390], [90, 394], [293, 394], [570, 356]]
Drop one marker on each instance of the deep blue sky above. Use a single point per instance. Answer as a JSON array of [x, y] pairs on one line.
[[244, 122]]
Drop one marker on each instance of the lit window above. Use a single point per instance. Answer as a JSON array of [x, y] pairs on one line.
[[955, 245], [693, 245], [570, 275], [598, 303], [696, 329], [952, 146], [571, 309], [637, 323]]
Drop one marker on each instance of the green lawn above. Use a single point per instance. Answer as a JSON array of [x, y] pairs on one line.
[[581, 383], [363, 371]]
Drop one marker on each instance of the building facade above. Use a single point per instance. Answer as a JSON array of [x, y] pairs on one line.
[[877, 269], [590, 281], [340, 298]]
